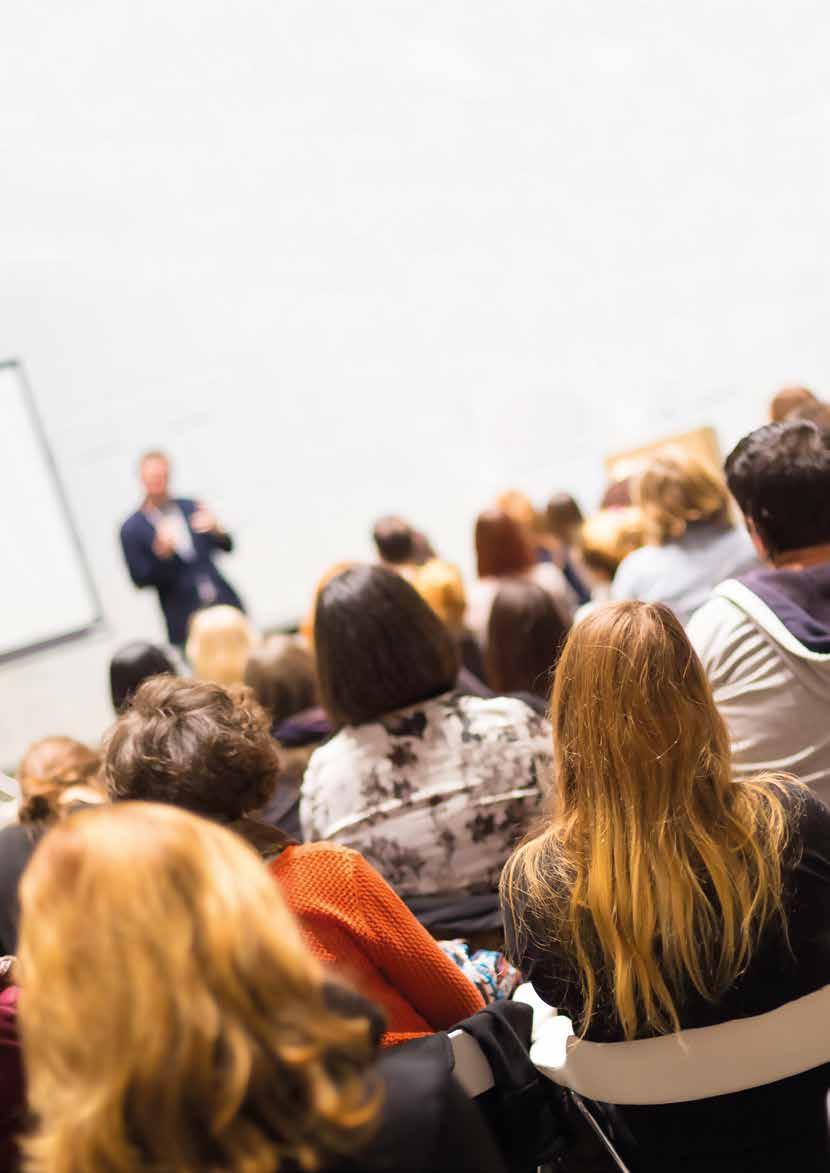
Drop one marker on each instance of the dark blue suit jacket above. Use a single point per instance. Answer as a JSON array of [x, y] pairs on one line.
[[176, 580]]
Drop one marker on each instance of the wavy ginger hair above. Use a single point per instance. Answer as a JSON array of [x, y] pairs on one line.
[[657, 871], [171, 1018]]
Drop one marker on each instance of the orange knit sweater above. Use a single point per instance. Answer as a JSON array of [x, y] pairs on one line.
[[352, 920]]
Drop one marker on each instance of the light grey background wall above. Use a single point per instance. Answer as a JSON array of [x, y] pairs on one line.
[[344, 258]]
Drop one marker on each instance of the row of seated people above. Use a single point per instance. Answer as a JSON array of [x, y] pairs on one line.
[[657, 893], [755, 599], [661, 884]]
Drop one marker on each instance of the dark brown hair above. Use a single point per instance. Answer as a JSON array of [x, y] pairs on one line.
[[379, 646], [780, 477], [193, 744], [524, 637], [394, 539], [131, 665], [281, 674], [562, 516], [501, 545]]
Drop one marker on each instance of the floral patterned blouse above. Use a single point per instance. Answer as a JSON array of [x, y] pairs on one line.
[[435, 795]]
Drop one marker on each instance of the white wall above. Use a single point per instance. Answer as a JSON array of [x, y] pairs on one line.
[[344, 258]]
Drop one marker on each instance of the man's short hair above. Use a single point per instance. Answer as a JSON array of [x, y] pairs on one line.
[[395, 540], [780, 477]]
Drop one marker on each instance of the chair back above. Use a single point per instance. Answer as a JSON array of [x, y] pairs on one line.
[[695, 1064]]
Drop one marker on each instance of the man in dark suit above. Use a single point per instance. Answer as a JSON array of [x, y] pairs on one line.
[[168, 544]]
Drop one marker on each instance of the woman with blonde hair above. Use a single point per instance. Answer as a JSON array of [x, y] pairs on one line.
[[171, 1018], [662, 894], [692, 542], [219, 643]]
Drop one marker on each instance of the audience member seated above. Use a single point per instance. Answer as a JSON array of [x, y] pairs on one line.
[[400, 546], [55, 775], [431, 786], [765, 638], [503, 553], [608, 536], [788, 400], [131, 665], [548, 543], [563, 519], [524, 637], [394, 541], [171, 1019], [692, 542], [219, 643], [197, 746], [281, 673], [12, 1095], [519, 507], [441, 585], [562, 525], [666, 894]]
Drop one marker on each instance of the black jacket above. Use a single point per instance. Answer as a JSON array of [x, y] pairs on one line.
[[176, 581]]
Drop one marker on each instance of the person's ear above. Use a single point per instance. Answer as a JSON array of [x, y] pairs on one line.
[[760, 548]]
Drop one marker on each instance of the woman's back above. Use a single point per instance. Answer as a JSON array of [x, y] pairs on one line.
[[773, 1127], [664, 895], [217, 1044], [435, 795]]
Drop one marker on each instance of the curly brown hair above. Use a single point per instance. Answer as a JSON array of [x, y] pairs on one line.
[[195, 745]]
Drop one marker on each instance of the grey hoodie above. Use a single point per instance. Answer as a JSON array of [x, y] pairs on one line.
[[764, 640]]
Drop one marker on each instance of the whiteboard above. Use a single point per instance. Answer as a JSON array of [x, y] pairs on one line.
[[46, 593]]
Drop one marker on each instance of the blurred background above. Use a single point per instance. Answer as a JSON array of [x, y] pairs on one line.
[[349, 259]]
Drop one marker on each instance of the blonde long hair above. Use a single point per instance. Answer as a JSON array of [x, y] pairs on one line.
[[678, 488], [656, 871], [171, 1018]]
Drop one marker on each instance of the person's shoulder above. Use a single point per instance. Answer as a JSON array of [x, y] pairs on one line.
[[498, 709], [500, 717], [813, 818], [715, 621], [134, 523], [641, 562], [325, 861], [15, 840], [423, 1099], [547, 574], [334, 751]]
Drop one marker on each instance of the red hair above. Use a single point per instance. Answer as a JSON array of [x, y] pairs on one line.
[[501, 545]]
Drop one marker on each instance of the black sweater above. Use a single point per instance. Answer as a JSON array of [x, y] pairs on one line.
[[776, 1127]]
